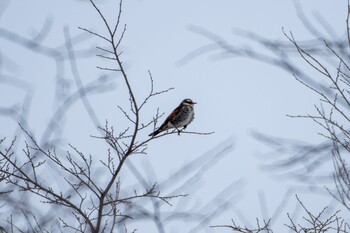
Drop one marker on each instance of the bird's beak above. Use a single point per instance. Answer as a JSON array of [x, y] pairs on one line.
[[194, 102]]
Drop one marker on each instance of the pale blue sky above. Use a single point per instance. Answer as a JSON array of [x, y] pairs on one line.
[[235, 96]]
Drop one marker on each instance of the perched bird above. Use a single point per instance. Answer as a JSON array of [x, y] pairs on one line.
[[180, 117]]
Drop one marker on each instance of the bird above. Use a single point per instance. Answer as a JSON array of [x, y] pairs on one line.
[[179, 117]]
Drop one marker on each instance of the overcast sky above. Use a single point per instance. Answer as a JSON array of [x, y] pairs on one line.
[[235, 95]]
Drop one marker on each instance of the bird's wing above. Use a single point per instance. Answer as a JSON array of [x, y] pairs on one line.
[[171, 116]]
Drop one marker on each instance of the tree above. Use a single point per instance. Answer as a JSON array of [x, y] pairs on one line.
[[78, 191]]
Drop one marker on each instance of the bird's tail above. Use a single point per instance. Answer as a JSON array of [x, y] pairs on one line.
[[155, 132]]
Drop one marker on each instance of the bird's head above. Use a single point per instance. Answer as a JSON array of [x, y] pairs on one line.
[[188, 102]]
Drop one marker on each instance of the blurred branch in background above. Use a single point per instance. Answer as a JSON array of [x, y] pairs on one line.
[[297, 160]]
